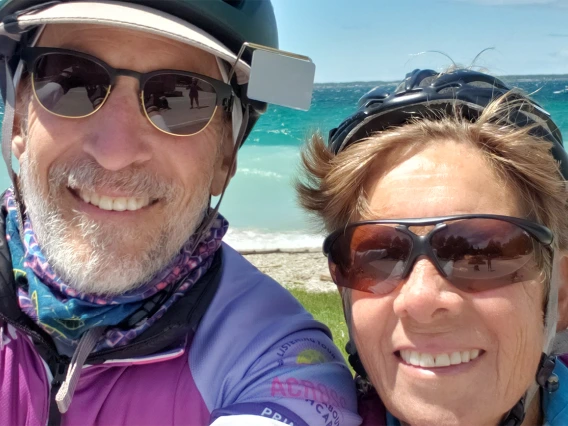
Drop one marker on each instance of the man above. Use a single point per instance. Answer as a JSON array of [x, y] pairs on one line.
[[119, 304]]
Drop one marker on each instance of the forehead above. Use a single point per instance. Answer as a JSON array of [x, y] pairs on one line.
[[127, 48], [443, 179]]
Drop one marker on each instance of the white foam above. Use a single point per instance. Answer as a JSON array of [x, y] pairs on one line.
[[258, 172], [258, 240]]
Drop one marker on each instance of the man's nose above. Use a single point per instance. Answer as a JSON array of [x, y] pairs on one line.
[[426, 295], [119, 132]]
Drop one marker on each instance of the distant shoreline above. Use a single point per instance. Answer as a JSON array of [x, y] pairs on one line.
[[503, 77]]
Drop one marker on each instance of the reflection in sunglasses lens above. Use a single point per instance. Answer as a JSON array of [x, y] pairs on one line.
[[179, 104], [68, 85], [371, 258], [480, 254]]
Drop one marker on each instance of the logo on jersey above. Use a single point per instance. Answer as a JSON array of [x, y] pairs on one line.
[[310, 356]]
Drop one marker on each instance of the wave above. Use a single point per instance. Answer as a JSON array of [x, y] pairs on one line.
[[263, 173], [250, 240], [279, 131]]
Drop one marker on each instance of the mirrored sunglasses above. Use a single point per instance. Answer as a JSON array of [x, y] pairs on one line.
[[473, 252], [74, 85]]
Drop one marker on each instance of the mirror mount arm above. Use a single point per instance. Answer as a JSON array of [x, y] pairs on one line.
[[247, 45]]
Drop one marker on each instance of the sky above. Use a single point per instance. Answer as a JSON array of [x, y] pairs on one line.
[[366, 40]]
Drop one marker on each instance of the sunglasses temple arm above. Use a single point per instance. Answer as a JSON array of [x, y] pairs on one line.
[[9, 94]]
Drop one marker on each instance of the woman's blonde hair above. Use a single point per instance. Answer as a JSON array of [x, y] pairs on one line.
[[332, 187]]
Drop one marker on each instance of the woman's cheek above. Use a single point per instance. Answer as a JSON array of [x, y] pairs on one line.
[[513, 316], [370, 325]]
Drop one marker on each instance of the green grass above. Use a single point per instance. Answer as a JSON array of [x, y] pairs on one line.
[[326, 308]]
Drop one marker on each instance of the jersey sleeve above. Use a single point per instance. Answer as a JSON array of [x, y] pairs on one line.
[[301, 380], [257, 352]]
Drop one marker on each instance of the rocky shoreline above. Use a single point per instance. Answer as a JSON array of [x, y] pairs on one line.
[[305, 269]]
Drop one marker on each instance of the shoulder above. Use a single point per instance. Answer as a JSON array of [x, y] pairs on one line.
[[257, 344], [242, 284], [249, 314]]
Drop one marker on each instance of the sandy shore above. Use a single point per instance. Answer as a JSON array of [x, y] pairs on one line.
[[306, 270]]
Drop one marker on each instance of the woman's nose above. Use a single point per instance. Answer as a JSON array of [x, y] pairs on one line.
[[426, 296], [120, 134]]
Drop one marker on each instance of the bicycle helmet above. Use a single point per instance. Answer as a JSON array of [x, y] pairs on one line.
[[426, 93]]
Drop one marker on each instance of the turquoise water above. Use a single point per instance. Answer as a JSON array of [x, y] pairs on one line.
[[260, 202]]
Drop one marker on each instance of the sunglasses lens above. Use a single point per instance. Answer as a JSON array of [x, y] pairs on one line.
[[179, 104], [370, 258], [482, 254], [69, 85]]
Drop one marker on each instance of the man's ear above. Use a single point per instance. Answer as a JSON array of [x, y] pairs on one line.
[[223, 166], [563, 292], [18, 143]]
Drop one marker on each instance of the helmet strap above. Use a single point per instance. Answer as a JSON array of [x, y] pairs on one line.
[[354, 360], [545, 376], [212, 214], [516, 415]]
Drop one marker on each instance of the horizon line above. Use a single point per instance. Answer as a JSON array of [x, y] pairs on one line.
[[557, 76]]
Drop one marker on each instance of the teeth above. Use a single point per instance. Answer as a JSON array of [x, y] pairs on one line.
[[85, 196], [455, 358], [414, 358], [438, 360], [426, 360], [132, 204], [105, 203], [118, 204], [442, 360]]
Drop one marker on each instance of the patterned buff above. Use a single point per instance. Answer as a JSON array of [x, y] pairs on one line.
[[66, 313]]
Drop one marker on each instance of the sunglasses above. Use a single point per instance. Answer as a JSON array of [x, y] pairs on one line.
[[74, 85], [473, 252]]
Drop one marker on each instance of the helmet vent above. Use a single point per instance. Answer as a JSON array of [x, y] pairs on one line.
[[482, 84], [427, 81], [448, 91], [237, 4]]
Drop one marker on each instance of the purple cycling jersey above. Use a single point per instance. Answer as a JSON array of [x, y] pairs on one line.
[[256, 351]]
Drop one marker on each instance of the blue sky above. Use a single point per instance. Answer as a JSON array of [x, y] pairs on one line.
[[362, 40]]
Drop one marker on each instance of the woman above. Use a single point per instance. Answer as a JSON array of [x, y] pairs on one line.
[[446, 207]]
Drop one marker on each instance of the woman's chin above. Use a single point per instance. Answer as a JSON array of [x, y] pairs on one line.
[[439, 396], [420, 413]]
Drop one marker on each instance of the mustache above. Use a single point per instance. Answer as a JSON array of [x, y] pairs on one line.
[[86, 174]]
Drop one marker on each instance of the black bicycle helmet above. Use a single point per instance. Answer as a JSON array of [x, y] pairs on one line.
[[232, 22], [426, 93]]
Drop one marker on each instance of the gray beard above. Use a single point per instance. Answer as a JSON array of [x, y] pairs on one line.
[[83, 252]]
